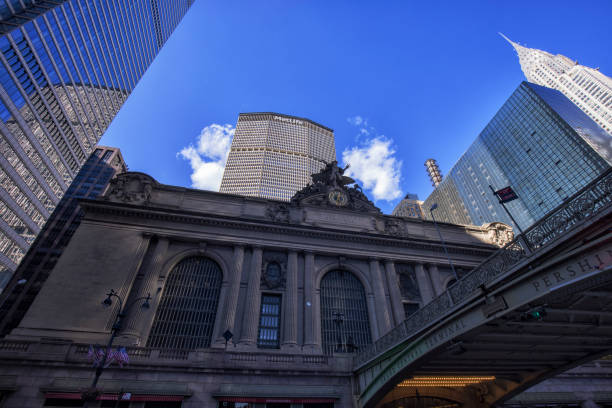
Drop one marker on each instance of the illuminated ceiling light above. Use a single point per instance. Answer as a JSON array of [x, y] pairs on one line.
[[450, 381]]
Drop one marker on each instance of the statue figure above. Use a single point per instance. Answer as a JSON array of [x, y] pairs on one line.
[[333, 176]]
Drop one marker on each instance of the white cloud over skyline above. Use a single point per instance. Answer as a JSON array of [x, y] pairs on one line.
[[373, 162], [208, 157], [357, 121]]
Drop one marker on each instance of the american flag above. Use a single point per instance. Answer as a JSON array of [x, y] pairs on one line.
[[96, 355]]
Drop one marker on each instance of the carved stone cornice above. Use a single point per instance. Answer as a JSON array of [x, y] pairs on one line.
[[227, 222]]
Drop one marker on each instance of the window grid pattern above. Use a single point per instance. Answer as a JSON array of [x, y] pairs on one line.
[[587, 88], [186, 313], [540, 144], [269, 322], [409, 207], [55, 235], [344, 313], [66, 68], [273, 156]]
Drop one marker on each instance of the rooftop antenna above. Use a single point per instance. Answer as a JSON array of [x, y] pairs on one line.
[[433, 171]]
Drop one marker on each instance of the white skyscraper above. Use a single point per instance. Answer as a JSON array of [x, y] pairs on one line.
[[588, 88]]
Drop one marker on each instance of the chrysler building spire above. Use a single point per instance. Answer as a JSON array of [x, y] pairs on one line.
[[586, 87]]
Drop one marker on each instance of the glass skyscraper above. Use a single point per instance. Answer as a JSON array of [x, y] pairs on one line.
[[66, 67], [540, 144], [31, 274], [273, 155]]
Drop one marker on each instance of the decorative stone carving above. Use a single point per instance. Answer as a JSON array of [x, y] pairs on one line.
[[274, 270], [409, 287], [394, 227], [390, 225], [278, 212], [329, 188], [499, 233], [131, 187]]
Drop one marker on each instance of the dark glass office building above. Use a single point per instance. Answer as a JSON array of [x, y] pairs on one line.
[[32, 272], [66, 67], [539, 143]]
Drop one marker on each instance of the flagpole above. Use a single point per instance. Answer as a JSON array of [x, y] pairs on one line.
[[91, 393], [505, 209]]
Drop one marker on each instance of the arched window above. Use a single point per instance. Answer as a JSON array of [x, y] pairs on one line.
[[186, 313], [345, 325]]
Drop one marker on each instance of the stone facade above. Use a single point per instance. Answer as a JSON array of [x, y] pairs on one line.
[[132, 240]]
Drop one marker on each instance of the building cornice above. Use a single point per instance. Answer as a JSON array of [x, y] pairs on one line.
[[312, 122], [244, 224]]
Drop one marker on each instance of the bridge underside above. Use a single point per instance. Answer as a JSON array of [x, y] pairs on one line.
[[539, 306], [520, 349]]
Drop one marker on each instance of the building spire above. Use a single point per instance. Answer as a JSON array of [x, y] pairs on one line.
[[506, 38], [515, 45]]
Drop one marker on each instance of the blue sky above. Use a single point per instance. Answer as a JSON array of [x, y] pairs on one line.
[[398, 81]]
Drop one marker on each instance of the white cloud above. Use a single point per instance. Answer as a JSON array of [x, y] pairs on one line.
[[374, 164], [355, 120], [208, 157]]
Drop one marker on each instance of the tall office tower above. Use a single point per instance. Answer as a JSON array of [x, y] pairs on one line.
[[66, 67], [273, 155], [588, 88], [409, 207], [32, 272], [540, 144]]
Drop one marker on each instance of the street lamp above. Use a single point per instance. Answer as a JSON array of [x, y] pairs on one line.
[[117, 326], [433, 207]]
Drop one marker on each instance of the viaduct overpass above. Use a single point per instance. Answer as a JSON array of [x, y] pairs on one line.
[[537, 307]]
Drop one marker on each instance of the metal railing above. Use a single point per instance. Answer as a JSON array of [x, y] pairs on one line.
[[588, 202]]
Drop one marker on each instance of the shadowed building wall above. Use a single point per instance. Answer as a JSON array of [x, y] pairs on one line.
[[91, 181]]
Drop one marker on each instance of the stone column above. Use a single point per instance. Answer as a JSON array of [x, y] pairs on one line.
[[372, 316], [382, 313], [436, 278], [139, 320], [132, 268], [395, 294], [290, 303], [309, 304], [231, 300], [424, 282], [253, 301]]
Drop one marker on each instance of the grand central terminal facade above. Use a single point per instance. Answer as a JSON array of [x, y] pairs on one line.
[[247, 302]]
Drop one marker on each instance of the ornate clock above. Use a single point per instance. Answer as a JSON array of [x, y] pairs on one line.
[[337, 198]]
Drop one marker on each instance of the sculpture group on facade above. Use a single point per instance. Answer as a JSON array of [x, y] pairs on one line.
[[330, 187]]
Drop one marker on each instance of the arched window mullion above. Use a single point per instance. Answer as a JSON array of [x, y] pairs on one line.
[[187, 310], [344, 314]]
